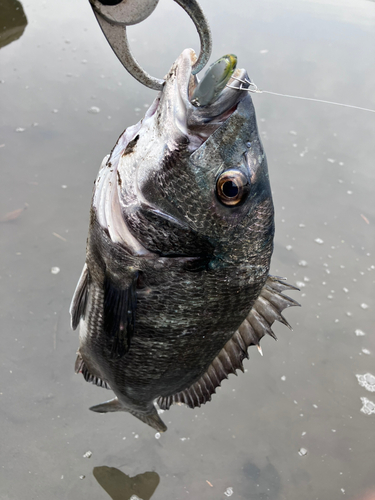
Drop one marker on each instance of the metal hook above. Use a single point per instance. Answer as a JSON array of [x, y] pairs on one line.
[[252, 87], [114, 15]]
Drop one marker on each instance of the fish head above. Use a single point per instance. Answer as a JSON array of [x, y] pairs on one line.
[[193, 179]]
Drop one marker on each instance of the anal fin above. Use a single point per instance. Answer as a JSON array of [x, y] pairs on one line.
[[89, 374], [266, 309]]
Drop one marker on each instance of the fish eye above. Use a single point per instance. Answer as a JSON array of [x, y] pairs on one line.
[[232, 187]]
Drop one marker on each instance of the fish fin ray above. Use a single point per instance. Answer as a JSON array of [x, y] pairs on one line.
[[152, 419], [79, 301], [89, 374], [108, 406], [119, 316], [265, 311]]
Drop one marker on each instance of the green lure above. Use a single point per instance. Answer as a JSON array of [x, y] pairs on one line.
[[214, 81]]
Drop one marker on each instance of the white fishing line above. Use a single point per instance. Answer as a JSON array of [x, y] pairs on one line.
[[255, 90], [317, 100]]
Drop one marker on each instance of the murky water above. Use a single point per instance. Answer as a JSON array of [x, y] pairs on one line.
[[300, 422]]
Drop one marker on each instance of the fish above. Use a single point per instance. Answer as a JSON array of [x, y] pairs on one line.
[[176, 284]]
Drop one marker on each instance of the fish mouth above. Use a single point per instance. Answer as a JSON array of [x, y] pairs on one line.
[[126, 183], [200, 122]]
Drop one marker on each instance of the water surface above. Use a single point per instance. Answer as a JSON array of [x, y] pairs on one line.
[[291, 427]]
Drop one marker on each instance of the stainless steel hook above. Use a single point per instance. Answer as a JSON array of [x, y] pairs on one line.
[[114, 15]]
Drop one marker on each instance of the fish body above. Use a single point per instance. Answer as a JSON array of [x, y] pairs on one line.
[[175, 285]]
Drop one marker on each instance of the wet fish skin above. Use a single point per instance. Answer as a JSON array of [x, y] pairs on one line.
[[171, 273]]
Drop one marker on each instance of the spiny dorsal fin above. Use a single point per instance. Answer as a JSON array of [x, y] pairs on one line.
[[79, 301], [89, 375], [266, 309]]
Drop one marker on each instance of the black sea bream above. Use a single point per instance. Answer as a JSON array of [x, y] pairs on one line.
[[175, 287]]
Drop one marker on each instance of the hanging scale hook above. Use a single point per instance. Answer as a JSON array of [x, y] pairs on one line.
[[114, 15]]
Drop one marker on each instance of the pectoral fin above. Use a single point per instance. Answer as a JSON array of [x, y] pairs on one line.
[[266, 309], [119, 315]]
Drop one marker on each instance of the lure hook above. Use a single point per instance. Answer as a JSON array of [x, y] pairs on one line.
[[114, 16]]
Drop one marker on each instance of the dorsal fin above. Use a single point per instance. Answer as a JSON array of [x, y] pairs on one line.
[[89, 374], [266, 309], [79, 300]]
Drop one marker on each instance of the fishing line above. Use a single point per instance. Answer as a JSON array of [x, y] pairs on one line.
[[255, 90]]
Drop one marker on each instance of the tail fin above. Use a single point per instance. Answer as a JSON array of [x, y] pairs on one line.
[[152, 418], [111, 405]]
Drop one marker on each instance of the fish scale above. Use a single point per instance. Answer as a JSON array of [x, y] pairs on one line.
[[176, 283]]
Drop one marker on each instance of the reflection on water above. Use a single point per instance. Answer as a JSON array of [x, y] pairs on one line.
[[119, 486], [262, 482], [12, 21]]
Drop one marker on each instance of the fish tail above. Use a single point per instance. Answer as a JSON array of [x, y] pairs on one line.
[[152, 419], [108, 406]]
